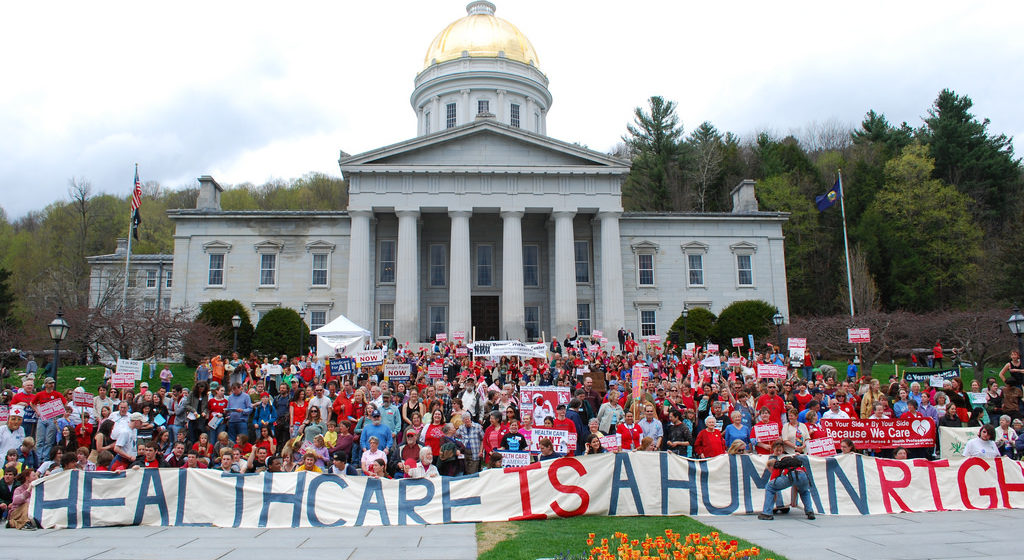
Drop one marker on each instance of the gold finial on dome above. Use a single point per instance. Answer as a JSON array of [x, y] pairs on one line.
[[480, 34]]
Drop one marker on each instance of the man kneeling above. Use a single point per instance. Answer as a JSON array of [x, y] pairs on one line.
[[787, 470]]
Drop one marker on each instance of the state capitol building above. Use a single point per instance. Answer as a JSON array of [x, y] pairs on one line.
[[481, 220]]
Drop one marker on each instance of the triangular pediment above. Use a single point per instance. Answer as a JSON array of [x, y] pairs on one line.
[[481, 144]]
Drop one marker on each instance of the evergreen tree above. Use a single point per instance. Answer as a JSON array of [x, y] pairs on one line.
[[655, 178]]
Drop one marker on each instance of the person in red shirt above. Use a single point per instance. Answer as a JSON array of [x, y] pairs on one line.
[[845, 405], [630, 431], [150, 458], [764, 418], [84, 432], [937, 354], [710, 442], [216, 405], [803, 396], [46, 430], [773, 402], [563, 423]]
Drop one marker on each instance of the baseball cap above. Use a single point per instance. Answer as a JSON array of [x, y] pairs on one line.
[[264, 394], [340, 456], [144, 384], [49, 380], [376, 414]]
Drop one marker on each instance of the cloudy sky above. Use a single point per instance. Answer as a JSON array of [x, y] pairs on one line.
[[249, 91]]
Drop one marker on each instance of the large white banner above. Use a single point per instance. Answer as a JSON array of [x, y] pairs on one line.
[[623, 484]]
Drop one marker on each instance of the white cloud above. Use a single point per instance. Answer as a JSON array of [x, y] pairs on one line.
[[247, 91]]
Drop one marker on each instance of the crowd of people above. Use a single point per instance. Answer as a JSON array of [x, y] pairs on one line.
[[293, 414]]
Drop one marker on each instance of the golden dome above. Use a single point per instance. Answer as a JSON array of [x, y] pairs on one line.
[[482, 35]]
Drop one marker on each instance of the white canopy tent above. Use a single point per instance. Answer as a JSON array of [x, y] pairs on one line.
[[340, 335]]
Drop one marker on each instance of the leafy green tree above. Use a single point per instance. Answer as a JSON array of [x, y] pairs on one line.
[[978, 164], [745, 317], [654, 142], [280, 332], [218, 314], [6, 299], [700, 327], [921, 239]]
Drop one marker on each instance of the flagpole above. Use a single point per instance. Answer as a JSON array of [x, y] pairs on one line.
[[846, 242], [128, 256]]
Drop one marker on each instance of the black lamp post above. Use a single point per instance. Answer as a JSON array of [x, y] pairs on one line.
[[302, 333], [778, 319], [236, 322], [686, 312], [58, 332], [1016, 324]]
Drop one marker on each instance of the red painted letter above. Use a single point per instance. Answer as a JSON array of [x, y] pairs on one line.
[[575, 465], [962, 482], [1006, 487], [524, 492], [931, 466], [889, 487]]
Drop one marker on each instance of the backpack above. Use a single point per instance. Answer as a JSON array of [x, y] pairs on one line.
[[787, 463], [448, 452]]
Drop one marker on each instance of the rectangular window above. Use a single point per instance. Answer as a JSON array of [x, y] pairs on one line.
[[133, 280], [149, 304], [745, 269], [582, 251], [317, 319], [449, 121], [437, 266], [695, 264], [170, 275], [514, 115], [583, 319], [268, 269], [150, 278], [216, 277], [483, 106], [647, 323], [386, 319], [484, 265], [438, 314], [531, 266], [645, 268], [386, 256], [167, 304], [531, 319], [426, 125], [319, 269]]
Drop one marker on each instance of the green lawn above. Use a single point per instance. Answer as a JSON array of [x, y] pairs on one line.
[[567, 538], [882, 371], [94, 376]]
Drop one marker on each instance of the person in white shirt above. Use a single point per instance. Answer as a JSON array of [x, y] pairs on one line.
[[834, 412], [11, 433], [425, 468], [984, 445]]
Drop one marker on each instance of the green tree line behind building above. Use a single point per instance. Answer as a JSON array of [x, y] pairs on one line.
[[934, 212]]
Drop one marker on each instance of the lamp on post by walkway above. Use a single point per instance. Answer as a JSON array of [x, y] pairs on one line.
[[236, 322], [778, 319], [686, 313], [1016, 324], [58, 332]]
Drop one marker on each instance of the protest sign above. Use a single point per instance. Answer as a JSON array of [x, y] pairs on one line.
[[822, 447], [562, 440], [939, 376], [858, 336], [612, 443], [737, 342], [712, 347], [5, 412], [735, 362], [511, 459], [582, 372], [766, 433], [882, 433], [127, 372], [370, 357], [519, 349], [342, 366], [83, 399], [713, 361], [459, 336], [596, 334], [461, 352], [441, 337], [978, 399], [953, 441], [541, 402], [604, 485], [797, 343], [397, 372], [435, 371], [771, 371], [274, 370]]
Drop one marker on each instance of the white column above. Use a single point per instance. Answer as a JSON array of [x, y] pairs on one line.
[[467, 114], [360, 271], [438, 117], [499, 111], [459, 299], [407, 279], [565, 274], [526, 121], [613, 314], [512, 277]]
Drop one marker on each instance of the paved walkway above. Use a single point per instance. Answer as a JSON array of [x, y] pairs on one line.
[[994, 535], [435, 542]]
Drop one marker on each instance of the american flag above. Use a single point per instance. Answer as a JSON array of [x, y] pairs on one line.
[[136, 203]]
